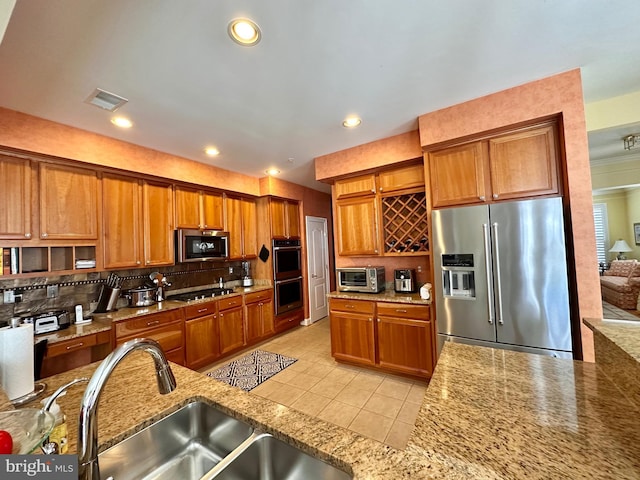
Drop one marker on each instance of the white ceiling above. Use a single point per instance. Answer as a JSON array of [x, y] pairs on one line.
[[388, 61]]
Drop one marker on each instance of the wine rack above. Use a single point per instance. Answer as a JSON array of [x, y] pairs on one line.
[[405, 225]]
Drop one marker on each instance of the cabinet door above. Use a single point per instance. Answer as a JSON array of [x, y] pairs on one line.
[[201, 341], [458, 175], [357, 226], [249, 229], [187, 208], [293, 219], [68, 203], [278, 218], [212, 216], [352, 337], [157, 203], [231, 330], [234, 227], [524, 164], [253, 320], [401, 179], [268, 324], [404, 345], [15, 196], [355, 186], [121, 222]]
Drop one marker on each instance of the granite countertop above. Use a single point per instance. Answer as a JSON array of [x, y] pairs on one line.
[[487, 414], [75, 331], [384, 296]]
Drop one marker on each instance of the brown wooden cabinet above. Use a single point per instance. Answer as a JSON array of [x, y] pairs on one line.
[[359, 186], [515, 165], [137, 223], [68, 203], [405, 338], [202, 345], [198, 209], [285, 218], [15, 196], [403, 178], [242, 227], [231, 324], [352, 331], [121, 222], [167, 328], [395, 337], [357, 226], [82, 350], [258, 315]]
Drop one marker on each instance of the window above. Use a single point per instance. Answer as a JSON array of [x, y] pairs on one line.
[[602, 230]]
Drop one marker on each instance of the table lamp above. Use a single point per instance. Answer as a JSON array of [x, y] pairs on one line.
[[621, 247]]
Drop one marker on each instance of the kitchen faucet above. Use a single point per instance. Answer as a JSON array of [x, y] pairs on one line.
[[88, 468]]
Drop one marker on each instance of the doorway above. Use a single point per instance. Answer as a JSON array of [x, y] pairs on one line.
[[317, 268]]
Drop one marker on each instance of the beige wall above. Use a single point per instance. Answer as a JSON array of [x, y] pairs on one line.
[[633, 216], [617, 219]]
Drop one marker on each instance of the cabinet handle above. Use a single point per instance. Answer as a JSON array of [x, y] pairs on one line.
[[481, 197], [378, 320], [27, 235], [370, 319], [155, 322], [375, 251], [495, 195], [45, 235], [401, 310], [349, 306], [76, 345], [148, 262], [380, 188], [221, 315], [138, 262], [200, 310], [373, 190]]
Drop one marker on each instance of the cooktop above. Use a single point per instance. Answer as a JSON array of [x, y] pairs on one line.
[[201, 294]]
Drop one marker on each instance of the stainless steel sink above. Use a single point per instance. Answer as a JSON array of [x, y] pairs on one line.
[[263, 457], [184, 445]]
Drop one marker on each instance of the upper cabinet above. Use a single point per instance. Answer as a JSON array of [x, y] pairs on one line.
[[285, 218], [15, 196], [242, 228], [198, 209], [382, 214], [136, 222], [68, 203], [515, 165]]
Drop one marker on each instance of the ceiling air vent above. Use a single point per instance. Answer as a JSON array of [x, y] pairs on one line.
[[105, 100]]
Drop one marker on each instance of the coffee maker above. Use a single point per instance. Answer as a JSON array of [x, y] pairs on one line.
[[247, 281], [405, 280]]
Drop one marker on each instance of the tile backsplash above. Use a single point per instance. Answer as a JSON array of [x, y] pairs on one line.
[[84, 288]]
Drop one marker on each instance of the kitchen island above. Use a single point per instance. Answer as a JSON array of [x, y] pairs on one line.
[[487, 414]]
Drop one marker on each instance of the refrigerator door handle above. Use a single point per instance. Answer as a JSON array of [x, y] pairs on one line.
[[496, 272], [487, 259]]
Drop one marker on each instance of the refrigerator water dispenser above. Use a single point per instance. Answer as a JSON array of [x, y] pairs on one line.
[[458, 276]]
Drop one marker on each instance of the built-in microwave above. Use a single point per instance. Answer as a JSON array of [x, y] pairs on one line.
[[201, 245], [360, 279]]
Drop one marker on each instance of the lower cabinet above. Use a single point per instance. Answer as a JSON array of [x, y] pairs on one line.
[[167, 328], [395, 337], [202, 346], [231, 324], [75, 352], [258, 316]]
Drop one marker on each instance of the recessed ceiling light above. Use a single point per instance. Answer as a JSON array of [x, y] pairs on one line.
[[272, 171], [122, 122], [212, 151], [244, 32], [351, 122]]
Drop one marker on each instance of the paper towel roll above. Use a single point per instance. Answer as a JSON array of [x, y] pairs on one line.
[[16, 360]]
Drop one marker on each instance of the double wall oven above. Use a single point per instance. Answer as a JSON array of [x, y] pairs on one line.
[[287, 275]]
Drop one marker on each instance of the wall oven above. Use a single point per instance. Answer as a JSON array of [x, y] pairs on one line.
[[287, 275]]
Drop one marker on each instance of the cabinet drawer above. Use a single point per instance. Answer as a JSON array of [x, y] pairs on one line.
[[200, 310], [403, 310], [138, 325], [71, 345], [169, 337], [354, 306], [257, 296], [231, 302]]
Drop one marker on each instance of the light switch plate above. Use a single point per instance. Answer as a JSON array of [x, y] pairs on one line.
[[9, 296], [52, 291]]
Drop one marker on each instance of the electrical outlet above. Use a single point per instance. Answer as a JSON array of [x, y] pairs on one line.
[[52, 291], [9, 296], [230, 270]]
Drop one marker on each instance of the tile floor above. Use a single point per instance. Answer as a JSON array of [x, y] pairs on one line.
[[611, 311], [377, 405]]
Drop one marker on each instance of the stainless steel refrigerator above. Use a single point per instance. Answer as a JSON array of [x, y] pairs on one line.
[[501, 276]]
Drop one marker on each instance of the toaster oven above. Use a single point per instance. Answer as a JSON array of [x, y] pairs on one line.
[[360, 279]]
